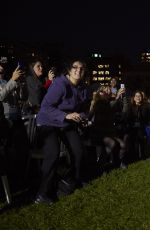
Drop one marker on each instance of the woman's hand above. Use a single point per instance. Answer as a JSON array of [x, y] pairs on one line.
[[120, 92], [17, 74], [51, 75], [74, 116]]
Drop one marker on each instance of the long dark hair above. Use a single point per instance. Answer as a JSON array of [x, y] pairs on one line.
[[32, 64], [133, 95]]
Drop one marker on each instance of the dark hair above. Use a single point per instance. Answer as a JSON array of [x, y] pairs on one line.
[[3, 65], [133, 95], [69, 62], [32, 64], [117, 81]]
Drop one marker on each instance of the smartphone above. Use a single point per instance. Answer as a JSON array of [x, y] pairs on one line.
[[122, 86], [21, 66]]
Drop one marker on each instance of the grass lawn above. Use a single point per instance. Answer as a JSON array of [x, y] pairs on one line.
[[119, 200]]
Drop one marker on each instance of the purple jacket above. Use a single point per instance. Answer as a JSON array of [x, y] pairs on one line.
[[62, 98]]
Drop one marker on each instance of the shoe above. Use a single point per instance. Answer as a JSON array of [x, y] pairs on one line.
[[43, 200]]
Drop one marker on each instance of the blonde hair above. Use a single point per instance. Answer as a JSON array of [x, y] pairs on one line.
[[97, 96]]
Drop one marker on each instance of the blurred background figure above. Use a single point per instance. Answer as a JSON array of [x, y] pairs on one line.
[[6, 89], [103, 108], [10, 93], [137, 119], [35, 80], [2, 75], [114, 86], [12, 130]]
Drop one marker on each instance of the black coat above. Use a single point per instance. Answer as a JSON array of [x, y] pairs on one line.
[[36, 90]]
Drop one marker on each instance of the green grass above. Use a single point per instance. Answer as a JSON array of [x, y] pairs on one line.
[[119, 200]]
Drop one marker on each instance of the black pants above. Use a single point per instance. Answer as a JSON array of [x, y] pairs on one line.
[[50, 137]]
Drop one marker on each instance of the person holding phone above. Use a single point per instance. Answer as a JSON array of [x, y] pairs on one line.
[[35, 80], [5, 90], [103, 111], [2, 75], [122, 86], [114, 86], [120, 92], [11, 126]]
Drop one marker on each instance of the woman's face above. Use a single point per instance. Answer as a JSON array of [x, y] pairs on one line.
[[77, 71], [138, 98], [38, 69], [113, 82]]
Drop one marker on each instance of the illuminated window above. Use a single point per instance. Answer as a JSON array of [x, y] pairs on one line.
[[107, 78], [100, 78], [119, 66], [107, 72], [101, 72], [94, 78], [107, 66], [94, 72], [100, 66], [119, 72], [96, 55]]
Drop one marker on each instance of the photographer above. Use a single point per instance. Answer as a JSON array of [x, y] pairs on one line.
[[9, 86], [35, 80], [5, 90], [12, 130]]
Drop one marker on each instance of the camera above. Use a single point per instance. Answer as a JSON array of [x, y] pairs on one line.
[[85, 122]]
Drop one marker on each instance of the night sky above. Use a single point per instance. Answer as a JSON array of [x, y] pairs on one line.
[[82, 26]]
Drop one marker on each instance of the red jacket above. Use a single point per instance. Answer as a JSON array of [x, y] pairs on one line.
[[47, 84]]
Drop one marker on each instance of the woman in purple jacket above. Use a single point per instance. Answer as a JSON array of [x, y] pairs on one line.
[[62, 109]]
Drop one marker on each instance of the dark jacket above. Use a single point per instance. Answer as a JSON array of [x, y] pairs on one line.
[[36, 90], [136, 115]]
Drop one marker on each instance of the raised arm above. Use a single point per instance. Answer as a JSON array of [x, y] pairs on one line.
[[11, 84]]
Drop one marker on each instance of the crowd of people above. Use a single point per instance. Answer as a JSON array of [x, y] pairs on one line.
[[111, 119]]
